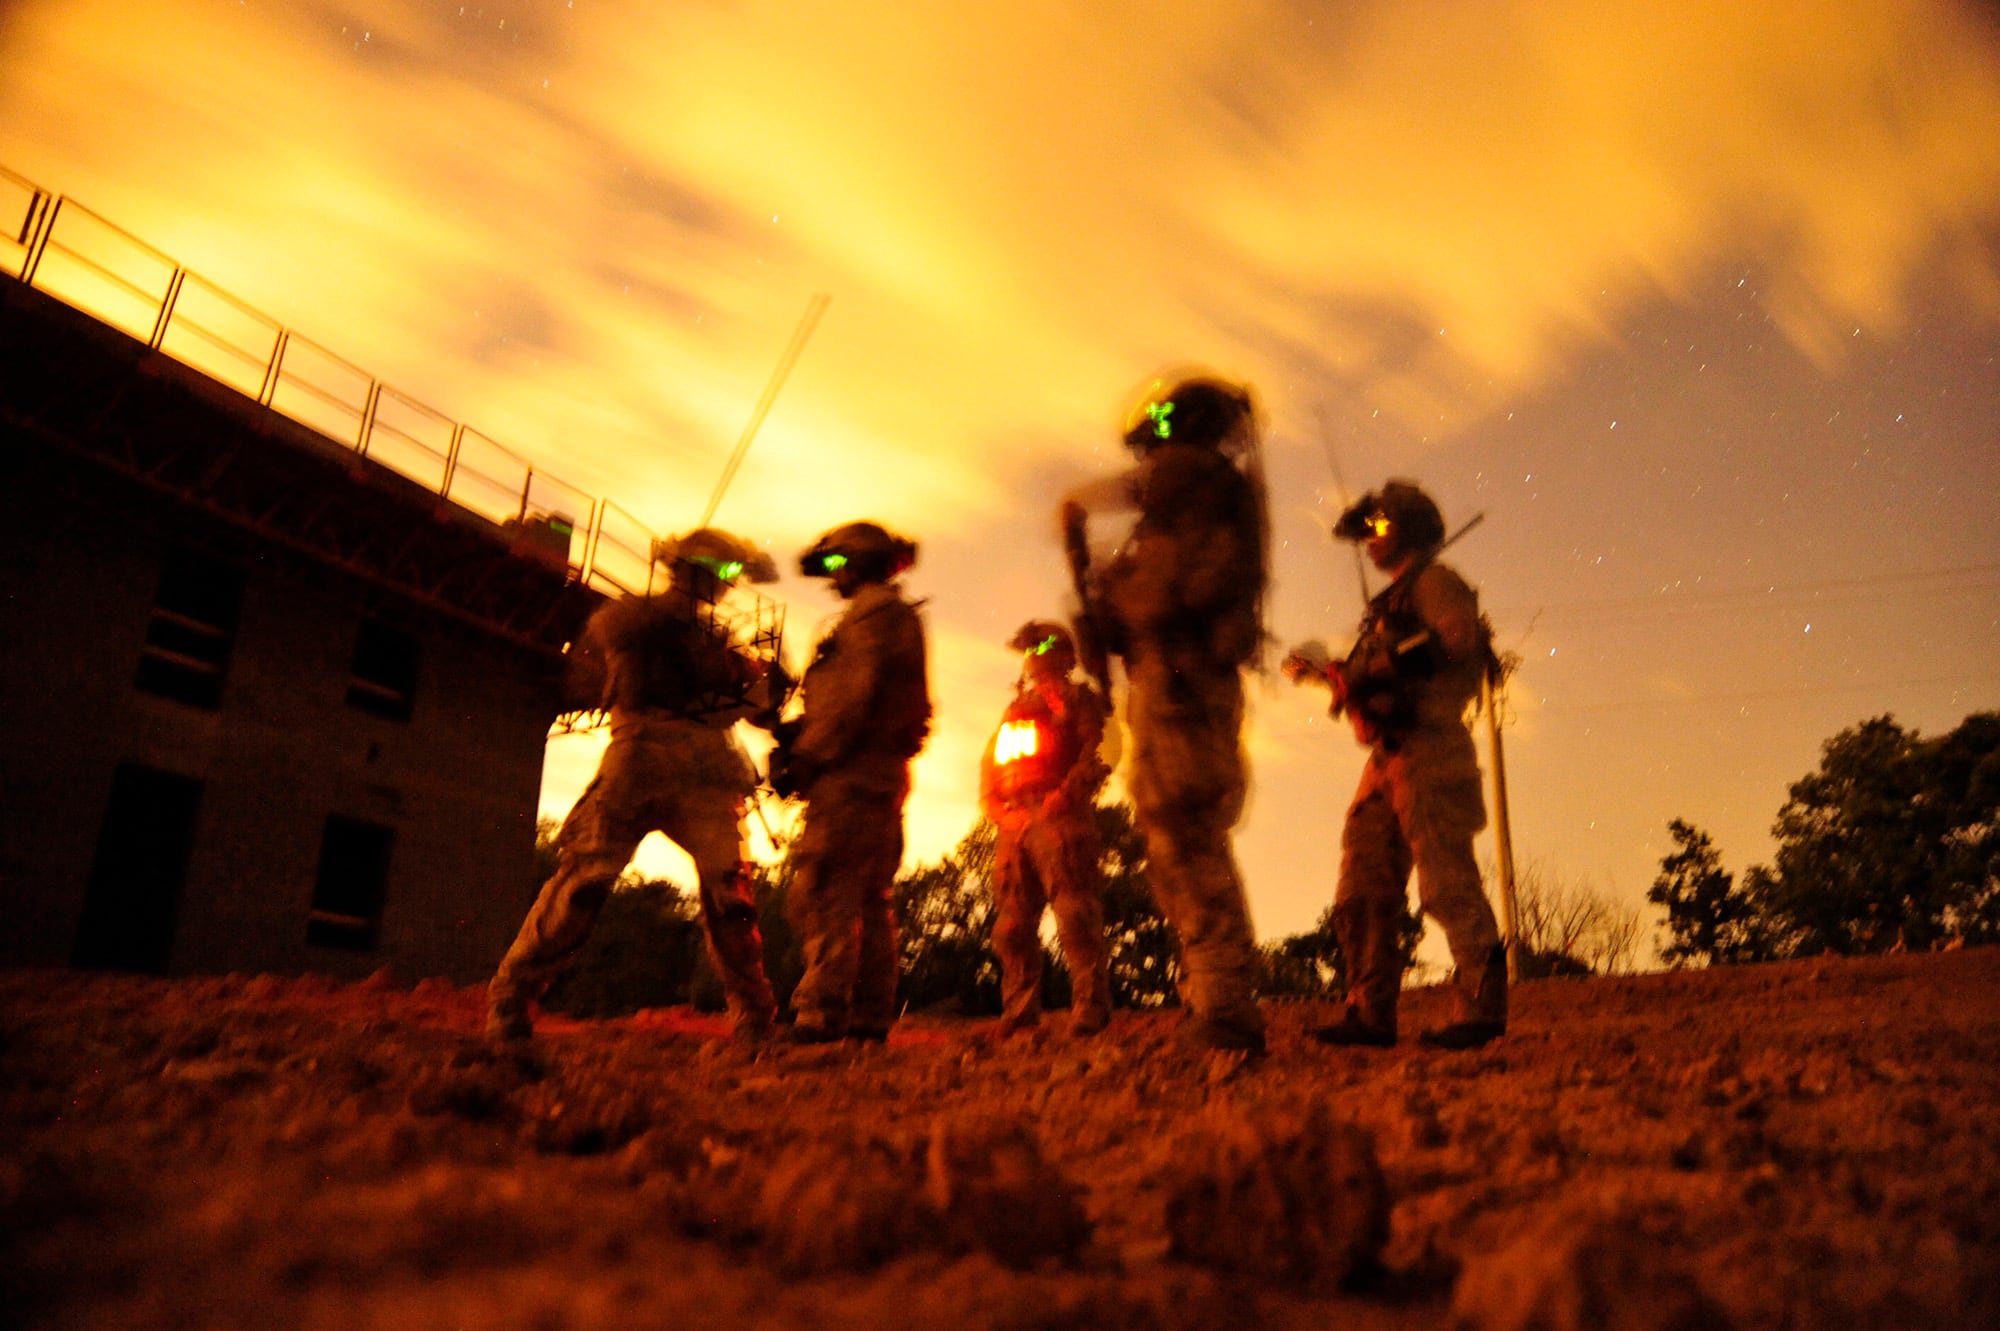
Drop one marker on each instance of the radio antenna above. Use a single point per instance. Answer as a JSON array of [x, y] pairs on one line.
[[814, 308]]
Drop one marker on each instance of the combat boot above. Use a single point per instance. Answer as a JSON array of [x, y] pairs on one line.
[[1088, 1022], [1228, 1033], [507, 1019], [1353, 1029], [1367, 935], [1483, 1008]]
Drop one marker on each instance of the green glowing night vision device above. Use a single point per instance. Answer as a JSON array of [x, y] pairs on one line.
[[1157, 413], [819, 566], [726, 569], [1042, 648]]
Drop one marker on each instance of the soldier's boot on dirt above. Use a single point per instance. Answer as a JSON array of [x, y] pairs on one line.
[[1229, 1033], [1368, 942], [1482, 1007], [507, 1020], [1082, 933], [1020, 992], [1225, 1007], [736, 947]]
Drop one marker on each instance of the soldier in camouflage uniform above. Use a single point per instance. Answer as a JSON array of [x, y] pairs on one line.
[[1038, 782], [1414, 671], [867, 714], [1181, 604], [674, 685]]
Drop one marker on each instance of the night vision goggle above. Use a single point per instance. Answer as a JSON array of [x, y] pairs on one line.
[[1363, 521], [1044, 647], [726, 569], [822, 564]]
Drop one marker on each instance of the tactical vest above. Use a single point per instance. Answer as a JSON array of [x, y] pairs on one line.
[[1394, 653], [1031, 753]]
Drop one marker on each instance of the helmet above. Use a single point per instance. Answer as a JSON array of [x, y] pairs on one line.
[[1399, 510], [868, 546], [1199, 411], [722, 553], [1043, 637]]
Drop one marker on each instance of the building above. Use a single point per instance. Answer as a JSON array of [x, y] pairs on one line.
[[274, 704]]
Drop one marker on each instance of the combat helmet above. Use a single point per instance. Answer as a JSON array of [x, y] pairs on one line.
[[1044, 638], [868, 547], [1199, 410], [1399, 510], [722, 553]]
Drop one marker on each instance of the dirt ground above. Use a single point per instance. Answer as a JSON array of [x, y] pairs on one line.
[[1809, 1144]]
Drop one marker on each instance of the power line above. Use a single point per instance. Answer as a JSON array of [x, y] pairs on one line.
[[1755, 695], [1845, 589]]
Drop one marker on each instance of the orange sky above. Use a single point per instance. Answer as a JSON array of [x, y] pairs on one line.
[[1697, 303]]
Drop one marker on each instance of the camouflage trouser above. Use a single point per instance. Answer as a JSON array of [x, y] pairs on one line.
[[1187, 787], [843, 906], [1041, 861], [1418, 807], [641, 787]]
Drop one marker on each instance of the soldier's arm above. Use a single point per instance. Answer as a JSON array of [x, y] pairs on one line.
[[1449, 608], [1084, 713], [990, 803], [604, 663]]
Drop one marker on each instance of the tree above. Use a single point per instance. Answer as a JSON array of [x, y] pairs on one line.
[[1893, 843], [643, 953], [1571, 929], [944, 925], [1713, 922], [1145, 955]]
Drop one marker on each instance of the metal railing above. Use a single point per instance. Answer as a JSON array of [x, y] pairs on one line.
[[60, 247]]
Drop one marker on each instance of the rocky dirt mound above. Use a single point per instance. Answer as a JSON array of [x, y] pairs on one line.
[[1812, 1144]]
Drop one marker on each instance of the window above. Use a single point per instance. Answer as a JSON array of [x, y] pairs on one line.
[[352, 882], [384, 678], [192, 629], [134, 893]]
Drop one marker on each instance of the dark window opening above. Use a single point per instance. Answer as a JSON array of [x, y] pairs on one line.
[[384, 679], [192, 629], [134, 894], [352, 884]]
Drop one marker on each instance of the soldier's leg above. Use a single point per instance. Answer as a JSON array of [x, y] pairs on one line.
[[594, 845], [1444, 816], [1368, 906], [1188, 854], [1017, 897], [827, 916], [880, 963], [709, 829], [1072, 854]]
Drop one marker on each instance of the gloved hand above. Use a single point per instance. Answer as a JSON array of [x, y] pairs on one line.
[[791, 776]]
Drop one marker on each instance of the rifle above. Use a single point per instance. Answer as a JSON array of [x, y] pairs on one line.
[[1091, 651]]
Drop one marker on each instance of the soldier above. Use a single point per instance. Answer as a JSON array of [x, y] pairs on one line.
[[674, 684], [1181, 603], [1038, 782], [1414, 671], [867, 713]]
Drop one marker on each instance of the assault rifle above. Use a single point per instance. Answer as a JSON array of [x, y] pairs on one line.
[[1091, 640]]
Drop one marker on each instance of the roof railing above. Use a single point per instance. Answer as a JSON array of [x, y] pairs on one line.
[[58, 246]]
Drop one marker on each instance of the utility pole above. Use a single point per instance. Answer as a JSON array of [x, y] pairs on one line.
[[1503, 835]]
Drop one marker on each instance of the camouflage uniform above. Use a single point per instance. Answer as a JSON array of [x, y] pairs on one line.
[[867, 712], [1048, 852], [1419, 805], [684, 776], [1181, 598]]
